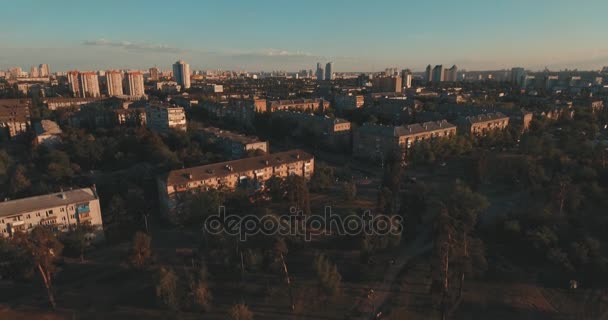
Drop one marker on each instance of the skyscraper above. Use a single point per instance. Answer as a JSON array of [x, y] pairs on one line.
[[181, 73], [45, 71], [329, 69], [428, 76], [114, 82], [34, 72], [135, 83], [406, 78], [438, 73], [89, 84], [320, 73]]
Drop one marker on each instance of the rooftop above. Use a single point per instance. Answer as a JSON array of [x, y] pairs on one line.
[[485, 117], [214, 170], [13, 207], [397, 131], [230, 135], [47, 127]]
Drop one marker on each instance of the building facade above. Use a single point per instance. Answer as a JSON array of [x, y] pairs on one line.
[[248, 173], [59, 211], [163, 117], [482, 124], [181, 73], [135, 84], [14, 117], [114, 83], [235, 145], [377, 142]]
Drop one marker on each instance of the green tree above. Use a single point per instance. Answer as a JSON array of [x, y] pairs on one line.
[[77, 239], [327, 274], [297, 193], [43, 249]]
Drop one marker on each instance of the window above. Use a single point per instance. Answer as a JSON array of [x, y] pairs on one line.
[[37, 214], [61, 210], [28, 216]]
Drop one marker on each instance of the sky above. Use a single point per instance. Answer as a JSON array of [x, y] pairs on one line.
[[256, 35]]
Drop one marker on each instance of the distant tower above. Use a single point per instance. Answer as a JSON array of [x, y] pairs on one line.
[[320, 74], [181, 73], [154, 73], [517, 76], [428, 77], [406, 78], [438, 73], [74, 83], [451, 74], [114, 83], [135, 83], [45, 71], [329, 69], [89, 84]]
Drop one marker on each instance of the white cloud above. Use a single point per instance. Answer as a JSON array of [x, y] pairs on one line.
[[132, 45]]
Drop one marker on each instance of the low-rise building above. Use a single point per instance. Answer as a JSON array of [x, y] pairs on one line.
[[14, 116], [296, 105], [248, 173], [58, 103], [241, 111], [328, 132], [349, 101], [377, 142], [235, 145], [59, 211], [161, 117], [483, 123], [48, 133]]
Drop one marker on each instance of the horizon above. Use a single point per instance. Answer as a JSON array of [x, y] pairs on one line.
[[272, 35]]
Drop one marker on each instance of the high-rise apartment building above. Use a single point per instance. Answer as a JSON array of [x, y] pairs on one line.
[[135, 83], [320, 72], [154, 73], [44, 70], [517, 76], [114, 82], [34, 72], [428, 74], [329, 69], [438, 73], [451, 74], [89, 84], [181, 73], [73, 82], [406, 78]]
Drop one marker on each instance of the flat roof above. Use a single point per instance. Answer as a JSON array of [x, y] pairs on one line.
[[230, 135], [182, 176], [17, 206]]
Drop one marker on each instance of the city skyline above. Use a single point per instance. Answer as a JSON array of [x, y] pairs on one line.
[[270, 35]]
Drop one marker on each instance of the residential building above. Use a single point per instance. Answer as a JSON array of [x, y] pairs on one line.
[[438, 73], [154, 73], [54, 103], [517, 76], [349, 101], [406, 78], [239, 110], [235, 145], [135, 84], [320, 73], [14, 116], [482, 124], [48, 133], [329, 71], [114, 83], [297, 104], [170, 87], [451, 74], [87, 84], [161, 117], [181, 73], [248, 173], [387, 84], [377, 142], [44, 70], [428, 74], [74, 83], [59, 211]]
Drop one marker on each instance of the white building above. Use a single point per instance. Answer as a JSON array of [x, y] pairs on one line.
[[181, 73], [59, 211]]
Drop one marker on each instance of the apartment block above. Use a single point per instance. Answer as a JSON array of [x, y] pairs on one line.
[[480, 125], [235, 145], [59, 211], [14, 116], [161, 117], [349, 101], [377, 142], [248, 173], [296, 105]]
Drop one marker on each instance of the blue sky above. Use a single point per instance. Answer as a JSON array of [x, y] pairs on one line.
[[291, 35]]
